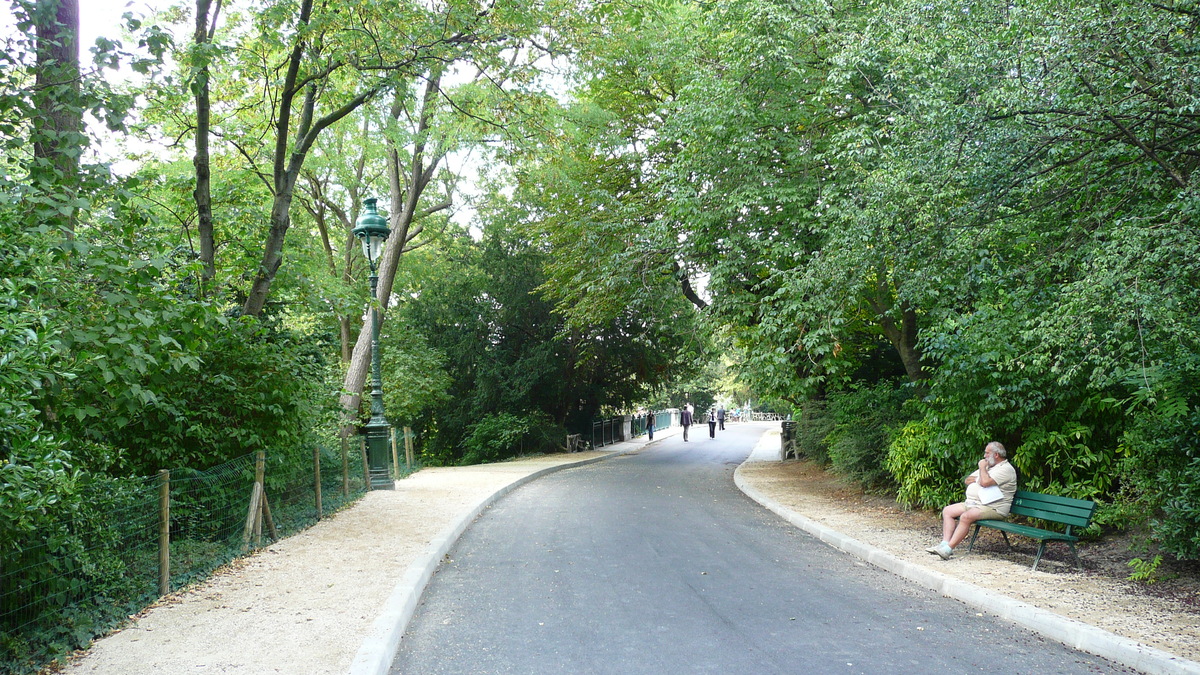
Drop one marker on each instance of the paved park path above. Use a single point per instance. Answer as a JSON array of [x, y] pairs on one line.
[[654, 562]]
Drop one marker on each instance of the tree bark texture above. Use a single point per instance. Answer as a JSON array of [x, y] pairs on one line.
[[203, 192], [58, 139]]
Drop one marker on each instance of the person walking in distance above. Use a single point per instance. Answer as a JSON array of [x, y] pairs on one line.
[[721, 418], [685, 419], [650, 425], [712, 423]]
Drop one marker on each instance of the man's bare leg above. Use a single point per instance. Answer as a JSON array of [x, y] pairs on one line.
[[965, 521]]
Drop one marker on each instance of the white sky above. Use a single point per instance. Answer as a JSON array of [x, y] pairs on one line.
[[96, 17], [103, 18]]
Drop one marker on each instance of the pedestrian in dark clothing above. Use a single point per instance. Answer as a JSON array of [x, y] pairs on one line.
[[712, 423], [650, 425], [721, 418], [685, 419]]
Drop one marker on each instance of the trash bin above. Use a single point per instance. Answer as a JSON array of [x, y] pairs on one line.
[[787, 440]]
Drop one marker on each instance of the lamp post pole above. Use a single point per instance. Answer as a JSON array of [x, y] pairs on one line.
[[372, 230]]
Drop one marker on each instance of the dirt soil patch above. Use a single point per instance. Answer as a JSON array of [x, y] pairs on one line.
[[1164, 614]]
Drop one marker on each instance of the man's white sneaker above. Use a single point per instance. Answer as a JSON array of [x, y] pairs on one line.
[[944, 551]]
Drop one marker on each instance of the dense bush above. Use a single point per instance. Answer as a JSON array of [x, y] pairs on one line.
[[1159, 476], [249, 386], [82, 558], [814, 425], [851, 429], [865, 419], [500, 436], [923, 471]]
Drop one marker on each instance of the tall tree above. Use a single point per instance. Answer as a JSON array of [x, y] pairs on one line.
[[58, 125], [207, 15], [407, 184], [331, 62], [423, 130]]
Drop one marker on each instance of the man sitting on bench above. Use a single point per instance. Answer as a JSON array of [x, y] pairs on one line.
[[990, 491]]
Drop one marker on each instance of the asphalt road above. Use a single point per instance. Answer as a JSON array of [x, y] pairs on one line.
[[654, 562]]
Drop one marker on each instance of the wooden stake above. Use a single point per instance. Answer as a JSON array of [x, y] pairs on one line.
[[317, 474], [260, 469], [251, 513], [270, 521], [258, 518], [395, 458], [254, 513], [164, 532], [408, 448]]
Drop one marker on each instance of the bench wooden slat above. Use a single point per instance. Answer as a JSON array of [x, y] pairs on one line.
[[1055, 517], [1052, 499], [1027, 530]]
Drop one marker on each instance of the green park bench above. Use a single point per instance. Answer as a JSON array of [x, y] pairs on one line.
[[1074, 513]]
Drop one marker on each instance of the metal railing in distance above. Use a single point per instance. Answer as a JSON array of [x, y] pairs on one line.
[[608, 431]]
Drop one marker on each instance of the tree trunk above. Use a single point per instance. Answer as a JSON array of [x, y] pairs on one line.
[[417, 180], [203, 192], [256, 299], [903, 337], [289, 159], [58, 139]]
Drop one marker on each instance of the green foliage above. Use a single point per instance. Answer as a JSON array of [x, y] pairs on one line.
[[505, 350], [167, 380], [258, 388], [1159, 471], [852, 172], [922, 469], [69, 569], [415, 372], [502, 435], [1145, 571], [1176, 528], [865, 419], [815, 425]]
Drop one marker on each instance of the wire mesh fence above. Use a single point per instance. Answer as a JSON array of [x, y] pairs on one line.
[[131, 540], [58, 587]]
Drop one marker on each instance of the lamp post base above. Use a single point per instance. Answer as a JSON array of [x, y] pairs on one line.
[[378, 451], [381, 480]]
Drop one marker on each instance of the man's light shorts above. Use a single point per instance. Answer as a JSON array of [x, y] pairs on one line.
[[986, 512]]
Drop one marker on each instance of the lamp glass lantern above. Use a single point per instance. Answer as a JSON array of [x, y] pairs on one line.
[[372, 231]]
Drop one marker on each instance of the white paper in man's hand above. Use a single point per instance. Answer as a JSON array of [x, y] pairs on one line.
[[990, 494]]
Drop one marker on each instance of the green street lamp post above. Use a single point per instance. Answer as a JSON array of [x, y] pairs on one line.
[[372, 230]]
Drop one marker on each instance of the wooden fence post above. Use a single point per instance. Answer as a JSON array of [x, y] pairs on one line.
[[395, 458], [254, 513], [408, 447], [317, 473], [362, 446], [266, 507], [345, 466], [260, 469], [164, 532]]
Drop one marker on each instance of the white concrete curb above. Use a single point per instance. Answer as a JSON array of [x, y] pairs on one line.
[[379, 648], [1070, 632]]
